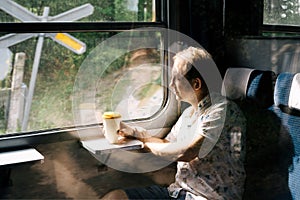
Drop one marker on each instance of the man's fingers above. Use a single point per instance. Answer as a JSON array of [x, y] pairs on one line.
[[121, 133]]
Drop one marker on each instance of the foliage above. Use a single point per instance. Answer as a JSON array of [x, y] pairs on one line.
[[104, 10], [281, 12]]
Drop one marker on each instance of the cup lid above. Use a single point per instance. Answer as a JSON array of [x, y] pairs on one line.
[[111, 115]]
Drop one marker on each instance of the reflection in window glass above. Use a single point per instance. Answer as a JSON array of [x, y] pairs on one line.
[[121, 74], [281, 12], [135, 91], [104, 10], [134, 76]]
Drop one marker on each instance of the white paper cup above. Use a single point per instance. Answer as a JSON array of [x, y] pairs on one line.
[[111, 122]]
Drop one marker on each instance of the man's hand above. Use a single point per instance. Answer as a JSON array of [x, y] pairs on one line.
[[132, 132], [126, 131]]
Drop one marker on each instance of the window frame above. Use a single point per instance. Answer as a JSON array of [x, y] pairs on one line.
[[32, 138], [285, 30]]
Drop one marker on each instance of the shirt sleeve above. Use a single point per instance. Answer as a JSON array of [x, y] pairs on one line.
[[211, 126], [172, 136], [225, 120]]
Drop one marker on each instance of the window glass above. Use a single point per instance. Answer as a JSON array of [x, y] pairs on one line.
[[92, 10], [281, 12], [120, 74]]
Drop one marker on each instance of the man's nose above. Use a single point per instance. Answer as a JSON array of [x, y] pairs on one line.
[[171, 84]]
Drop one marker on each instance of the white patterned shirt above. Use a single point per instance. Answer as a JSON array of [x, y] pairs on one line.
[[218, 171]]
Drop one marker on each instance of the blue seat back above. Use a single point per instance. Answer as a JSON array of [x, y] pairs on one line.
[[286, 99]]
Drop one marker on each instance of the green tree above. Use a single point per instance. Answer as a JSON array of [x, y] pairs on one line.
[[281, 12]]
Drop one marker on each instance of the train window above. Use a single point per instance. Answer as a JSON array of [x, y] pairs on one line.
[[129, 77], [281, 12]]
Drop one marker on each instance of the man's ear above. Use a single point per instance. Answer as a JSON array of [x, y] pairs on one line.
[[197, 84]]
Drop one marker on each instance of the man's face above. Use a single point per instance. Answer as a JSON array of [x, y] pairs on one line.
[[179, 84]]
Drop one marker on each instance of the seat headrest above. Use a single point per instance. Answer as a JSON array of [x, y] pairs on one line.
[[287, 91], [248, 84], [235, 83]]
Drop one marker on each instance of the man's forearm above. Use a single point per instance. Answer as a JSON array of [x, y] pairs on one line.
[[177, 151], [153, 140]]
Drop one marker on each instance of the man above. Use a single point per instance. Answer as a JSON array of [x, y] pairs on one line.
[[207, 141]]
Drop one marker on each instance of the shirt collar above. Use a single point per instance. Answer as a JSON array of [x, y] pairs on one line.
[[205, 102]]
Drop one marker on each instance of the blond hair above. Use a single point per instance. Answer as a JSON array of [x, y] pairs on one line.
[[193, 57], [193, 54]]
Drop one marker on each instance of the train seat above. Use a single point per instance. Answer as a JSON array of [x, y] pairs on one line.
[[266, 162], [287, 108], [249, 85]]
